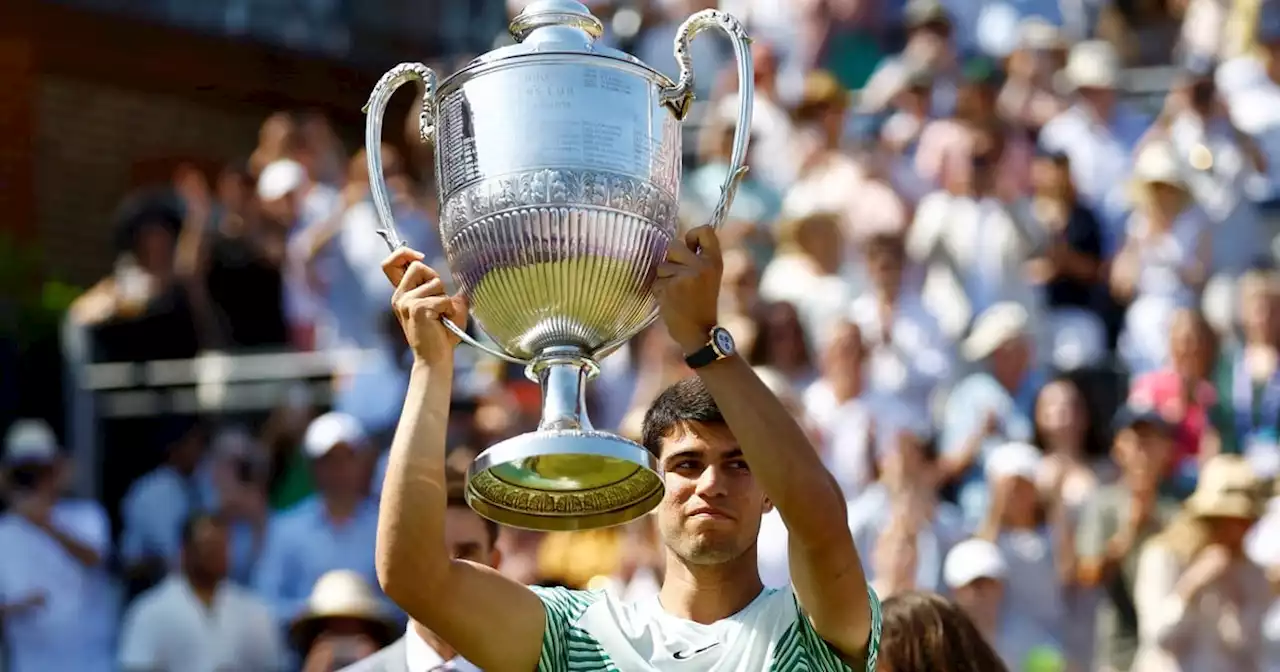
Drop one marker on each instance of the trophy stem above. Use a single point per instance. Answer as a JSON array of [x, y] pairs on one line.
[[562, 372]]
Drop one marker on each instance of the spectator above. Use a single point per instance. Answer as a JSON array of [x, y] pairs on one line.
[[1032, 611], [154, 508], [1115, 524], [1163, 263], [1200, 601], [909, 356], [1067, 263], [233, 483], [332, 530], [197, 620], [806, 272], [989, 406], [924, 631], [1247, 379], [1182, 392], [343, 623], [53, 574]]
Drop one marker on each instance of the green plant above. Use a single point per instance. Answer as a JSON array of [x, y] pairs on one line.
[[32, 300]]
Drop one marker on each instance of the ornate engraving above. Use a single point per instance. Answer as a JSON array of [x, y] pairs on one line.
[[565, 187], [492, 490]]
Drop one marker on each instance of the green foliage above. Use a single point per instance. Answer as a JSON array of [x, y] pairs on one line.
[[32, 301]]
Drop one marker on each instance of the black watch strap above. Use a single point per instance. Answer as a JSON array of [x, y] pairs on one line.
[[704, 356]]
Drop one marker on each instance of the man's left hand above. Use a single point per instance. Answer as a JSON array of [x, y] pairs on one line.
[[688, 287]]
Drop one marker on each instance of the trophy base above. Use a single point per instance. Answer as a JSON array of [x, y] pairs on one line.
[[563, 480]]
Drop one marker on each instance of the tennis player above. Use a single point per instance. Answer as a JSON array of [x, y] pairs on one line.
[[729, 452]]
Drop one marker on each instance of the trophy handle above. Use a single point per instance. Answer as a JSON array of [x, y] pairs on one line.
[[374, 109], [679, 97]]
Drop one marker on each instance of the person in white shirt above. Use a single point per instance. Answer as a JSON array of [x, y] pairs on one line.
[[198, 621], [468, 537], [53, 580], [729, 451]]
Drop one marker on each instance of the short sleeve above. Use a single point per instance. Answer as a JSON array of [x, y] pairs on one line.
[[822, 656], [563, 607]]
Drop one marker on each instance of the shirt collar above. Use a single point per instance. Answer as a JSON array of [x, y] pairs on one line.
[[420, 657]]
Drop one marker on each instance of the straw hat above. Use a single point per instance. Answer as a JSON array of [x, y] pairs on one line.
[[1093, 64], [344, 594], [1227, 488], [1156, 164]]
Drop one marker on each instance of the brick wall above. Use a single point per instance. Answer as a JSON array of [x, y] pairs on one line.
[[91, 137]]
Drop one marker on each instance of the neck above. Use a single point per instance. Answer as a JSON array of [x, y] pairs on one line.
[[709, 593], [1009, 379], [888, 295], [438, 645], [1258, 339], [204, 587], [1066, 448]]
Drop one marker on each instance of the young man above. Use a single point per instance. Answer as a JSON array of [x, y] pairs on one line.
[[470, 538], [729, 452]]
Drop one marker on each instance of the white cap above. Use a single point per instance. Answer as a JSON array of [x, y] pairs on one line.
[[332, 429], [971, 560], [279, 178], [1012, 459], [996, 326], [30, 440], [1092, 64]]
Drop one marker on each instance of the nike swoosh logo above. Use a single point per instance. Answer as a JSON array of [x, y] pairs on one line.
[[685, 655]]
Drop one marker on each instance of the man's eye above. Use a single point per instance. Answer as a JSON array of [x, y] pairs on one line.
[[739, 464]]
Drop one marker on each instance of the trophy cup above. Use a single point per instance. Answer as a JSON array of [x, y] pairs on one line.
[[558, 167]]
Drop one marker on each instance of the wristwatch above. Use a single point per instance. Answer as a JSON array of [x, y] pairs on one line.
[[719, 345]]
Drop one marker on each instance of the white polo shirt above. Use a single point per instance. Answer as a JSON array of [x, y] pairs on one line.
[[74, 628], [168, 629], [420, 657]]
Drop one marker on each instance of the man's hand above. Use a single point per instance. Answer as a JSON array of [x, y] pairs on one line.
[[26, 605], [419, 303], [35, 508], [688, 287]]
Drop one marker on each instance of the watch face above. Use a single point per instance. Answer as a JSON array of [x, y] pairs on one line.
[[723, 341]]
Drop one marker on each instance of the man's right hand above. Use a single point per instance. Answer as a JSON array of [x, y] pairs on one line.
[[419, 303]]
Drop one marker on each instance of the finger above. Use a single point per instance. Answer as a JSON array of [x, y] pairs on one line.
[[397, 262], [457, 310], [705, 240], [430, 308], [417, 275], [433, 287], [679, 253]]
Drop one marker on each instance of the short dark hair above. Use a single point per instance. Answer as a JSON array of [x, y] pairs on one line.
[[193, 522], [686, 401], [456, 486]]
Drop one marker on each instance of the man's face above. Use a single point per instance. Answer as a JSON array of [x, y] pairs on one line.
[[342, 472], [467, 537], [980, 598], [1144, 453], [208, 554], [713, 505]]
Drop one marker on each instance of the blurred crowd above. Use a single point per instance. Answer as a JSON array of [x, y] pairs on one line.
[[1032, 327]]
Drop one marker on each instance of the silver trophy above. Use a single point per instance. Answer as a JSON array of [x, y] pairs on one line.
[[558, 165]]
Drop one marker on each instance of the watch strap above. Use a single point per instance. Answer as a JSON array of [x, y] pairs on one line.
[[703, 356]]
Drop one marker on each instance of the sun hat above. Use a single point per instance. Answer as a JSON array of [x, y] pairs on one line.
[[1227, 488], [343, 594]]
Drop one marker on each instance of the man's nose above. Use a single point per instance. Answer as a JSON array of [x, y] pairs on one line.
[[711, 482]]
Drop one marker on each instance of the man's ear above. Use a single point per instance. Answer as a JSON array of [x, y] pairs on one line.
[[495, 558], [768, 505]]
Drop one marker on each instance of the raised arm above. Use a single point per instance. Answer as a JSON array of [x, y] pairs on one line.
[[825, 570], [491, 620]]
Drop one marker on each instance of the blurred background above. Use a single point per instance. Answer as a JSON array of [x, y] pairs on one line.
[[1011, 262]]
